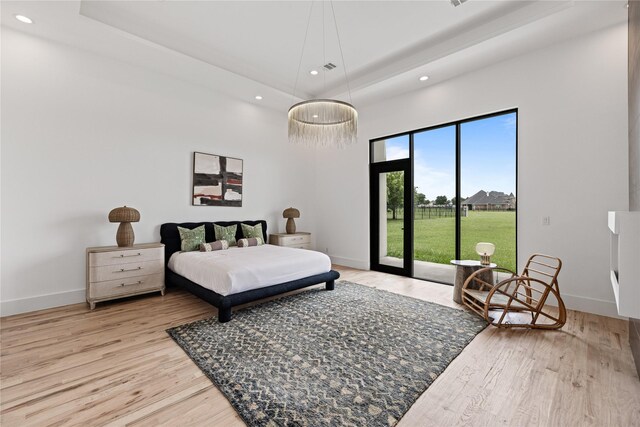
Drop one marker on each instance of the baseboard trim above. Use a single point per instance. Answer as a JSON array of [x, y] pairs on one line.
[[58, 299], [41, 302], [591, 305], [572, 302], [349, 262]]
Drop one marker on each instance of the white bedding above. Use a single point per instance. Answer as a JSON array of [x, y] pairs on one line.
[[237, 270]]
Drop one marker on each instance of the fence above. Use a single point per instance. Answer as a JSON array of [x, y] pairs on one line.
[[429, 212]]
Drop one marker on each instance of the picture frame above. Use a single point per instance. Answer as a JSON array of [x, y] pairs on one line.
[[217, 180]]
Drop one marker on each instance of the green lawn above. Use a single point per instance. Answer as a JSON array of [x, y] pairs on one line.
[[435, 237]]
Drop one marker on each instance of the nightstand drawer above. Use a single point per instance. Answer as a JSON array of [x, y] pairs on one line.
[[300, 246], [125, 256], [123, 271], [126, 286], [294, 240]]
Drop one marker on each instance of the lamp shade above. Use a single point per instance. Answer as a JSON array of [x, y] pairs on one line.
[[291, 213], [484, 248], [124, 214]]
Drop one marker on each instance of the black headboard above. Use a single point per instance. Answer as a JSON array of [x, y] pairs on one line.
[[171, 238]]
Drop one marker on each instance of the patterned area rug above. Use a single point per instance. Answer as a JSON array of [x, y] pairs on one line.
[[353, 356]]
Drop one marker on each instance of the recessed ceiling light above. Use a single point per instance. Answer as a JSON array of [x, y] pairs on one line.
[[424, 78], [24, 19], [258, 97], [315, 116], [313, 72]]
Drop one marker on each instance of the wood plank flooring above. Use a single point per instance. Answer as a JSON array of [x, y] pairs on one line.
[[117, 366]]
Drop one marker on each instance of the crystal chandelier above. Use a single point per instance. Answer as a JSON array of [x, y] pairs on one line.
[[323, 122]]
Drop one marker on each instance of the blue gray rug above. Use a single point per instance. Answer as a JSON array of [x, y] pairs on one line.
[[353, 356]]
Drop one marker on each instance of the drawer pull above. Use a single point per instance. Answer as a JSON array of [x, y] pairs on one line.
[[123, 270], [127, 256], [139, 282]]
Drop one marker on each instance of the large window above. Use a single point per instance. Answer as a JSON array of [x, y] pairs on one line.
[[463, 177]]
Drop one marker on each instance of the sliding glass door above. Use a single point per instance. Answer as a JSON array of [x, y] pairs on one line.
[[437, 192]]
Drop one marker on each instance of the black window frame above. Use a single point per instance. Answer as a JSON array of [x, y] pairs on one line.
[[374, 240]]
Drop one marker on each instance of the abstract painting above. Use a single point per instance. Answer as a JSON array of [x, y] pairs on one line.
[[217, 180]]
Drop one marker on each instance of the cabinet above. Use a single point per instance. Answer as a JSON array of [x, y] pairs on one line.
[[300, 240], [625, 261], [117, 272]]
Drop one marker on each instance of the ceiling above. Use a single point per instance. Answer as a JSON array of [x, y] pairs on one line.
[[245, 48]]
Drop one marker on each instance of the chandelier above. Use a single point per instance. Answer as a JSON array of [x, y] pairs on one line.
[[323, 122]]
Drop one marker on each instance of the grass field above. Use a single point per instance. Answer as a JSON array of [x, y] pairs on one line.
[[435, 237]]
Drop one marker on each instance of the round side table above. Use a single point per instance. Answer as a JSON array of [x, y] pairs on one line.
[[464, 269]]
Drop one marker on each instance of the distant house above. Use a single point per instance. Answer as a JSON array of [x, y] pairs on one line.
[[490, 201]]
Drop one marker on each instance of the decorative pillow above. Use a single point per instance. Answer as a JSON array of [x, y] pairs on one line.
[[251, 241], [190, 240], [218, 245], [249, 231], [226, 233]]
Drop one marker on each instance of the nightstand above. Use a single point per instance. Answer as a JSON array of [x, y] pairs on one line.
[[300, 240], [117, 272]]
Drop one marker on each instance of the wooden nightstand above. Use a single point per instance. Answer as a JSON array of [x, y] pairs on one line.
[[116, 272], [300, 240]]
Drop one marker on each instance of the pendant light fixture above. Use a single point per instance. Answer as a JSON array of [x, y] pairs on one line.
[[323, 122]]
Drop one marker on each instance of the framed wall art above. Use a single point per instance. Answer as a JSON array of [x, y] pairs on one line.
[[217, 180]]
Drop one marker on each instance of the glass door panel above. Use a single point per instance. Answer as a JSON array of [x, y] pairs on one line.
[[434, 179], [488, 187], [391, 216]]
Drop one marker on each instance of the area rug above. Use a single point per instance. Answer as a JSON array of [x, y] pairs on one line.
[[352, 356]]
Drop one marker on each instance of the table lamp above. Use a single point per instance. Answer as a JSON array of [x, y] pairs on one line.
[[290, 214], [125, 216], [485, 250]]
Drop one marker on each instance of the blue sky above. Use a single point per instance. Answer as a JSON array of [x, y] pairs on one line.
[[488, 157]]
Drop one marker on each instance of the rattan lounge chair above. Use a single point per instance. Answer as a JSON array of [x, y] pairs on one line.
[[530, 300]]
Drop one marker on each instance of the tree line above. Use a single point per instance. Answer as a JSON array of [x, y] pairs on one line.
[[395, 195]]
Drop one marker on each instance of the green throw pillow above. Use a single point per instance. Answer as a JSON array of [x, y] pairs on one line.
[[226, 233], [249, 231], [190, 240]]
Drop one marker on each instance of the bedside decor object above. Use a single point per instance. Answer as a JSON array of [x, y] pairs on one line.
[[290, 214], [125, 216], [113, 272], [485, 250], [217, 180], [323, 122]]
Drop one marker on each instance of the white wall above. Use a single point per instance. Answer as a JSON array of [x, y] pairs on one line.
[[82, 134], [572, 156]]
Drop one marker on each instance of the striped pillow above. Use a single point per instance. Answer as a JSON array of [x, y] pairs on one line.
[[218, 245], [252, 241]]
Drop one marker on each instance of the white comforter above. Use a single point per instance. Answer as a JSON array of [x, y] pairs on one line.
[[237, 270]]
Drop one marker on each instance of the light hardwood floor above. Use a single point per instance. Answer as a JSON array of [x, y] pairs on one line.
[[116, 366]]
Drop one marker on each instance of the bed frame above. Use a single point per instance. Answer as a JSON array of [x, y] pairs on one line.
[[171, 238]]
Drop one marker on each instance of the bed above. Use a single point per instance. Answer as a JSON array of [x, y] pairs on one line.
[[237, 276]]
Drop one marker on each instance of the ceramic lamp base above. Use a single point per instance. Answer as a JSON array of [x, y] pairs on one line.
[[125, 236]]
